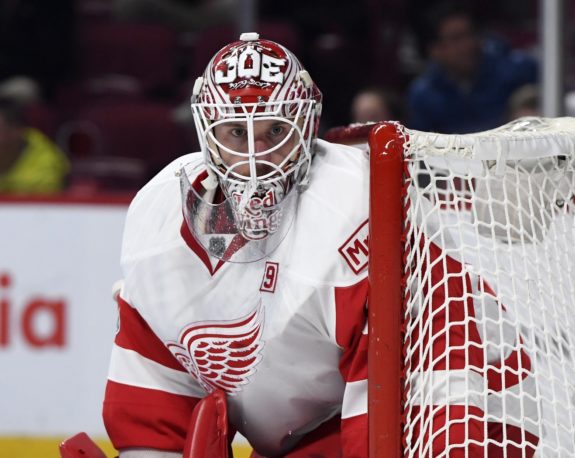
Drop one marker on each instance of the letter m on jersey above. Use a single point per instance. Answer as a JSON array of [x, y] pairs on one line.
[[355, 249]]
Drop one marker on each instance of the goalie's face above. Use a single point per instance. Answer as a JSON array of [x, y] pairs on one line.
[[262, 150], [256, 112]]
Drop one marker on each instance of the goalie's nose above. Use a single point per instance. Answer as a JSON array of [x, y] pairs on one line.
[[267, 156]]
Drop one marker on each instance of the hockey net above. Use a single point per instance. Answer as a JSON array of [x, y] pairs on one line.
[[473, 238]]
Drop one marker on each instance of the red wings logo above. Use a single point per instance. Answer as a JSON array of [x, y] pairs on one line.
[[221, 354]]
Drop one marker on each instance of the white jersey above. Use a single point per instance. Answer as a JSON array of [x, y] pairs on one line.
[[281, 336]]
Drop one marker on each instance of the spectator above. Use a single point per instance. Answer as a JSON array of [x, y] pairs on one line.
[[374, 104], [466, 85], [29, 162], [21, 89]]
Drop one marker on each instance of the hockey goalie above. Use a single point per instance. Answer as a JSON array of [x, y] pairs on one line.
[[243, 307]]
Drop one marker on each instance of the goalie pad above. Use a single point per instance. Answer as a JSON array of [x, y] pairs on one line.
[[208, 430], [80, 446]]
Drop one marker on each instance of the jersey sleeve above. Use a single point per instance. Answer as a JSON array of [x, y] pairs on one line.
[[149, 397], [461, 381], [351, 336]]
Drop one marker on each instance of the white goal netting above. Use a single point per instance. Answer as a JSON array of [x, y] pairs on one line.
[[489, 308]]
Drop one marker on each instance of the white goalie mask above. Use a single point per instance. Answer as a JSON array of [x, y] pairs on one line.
[[256, 112]]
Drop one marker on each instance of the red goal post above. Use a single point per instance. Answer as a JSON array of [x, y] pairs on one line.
[[385, 279], [472, 290]]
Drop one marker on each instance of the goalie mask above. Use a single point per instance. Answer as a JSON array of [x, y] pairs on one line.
[[256, 112]]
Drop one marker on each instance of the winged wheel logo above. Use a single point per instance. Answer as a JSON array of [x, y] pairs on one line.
[[221, 354]]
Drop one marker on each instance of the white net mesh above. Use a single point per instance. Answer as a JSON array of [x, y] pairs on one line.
[[490, 292]]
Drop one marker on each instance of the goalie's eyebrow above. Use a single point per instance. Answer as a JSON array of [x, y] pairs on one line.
[[241, 125]]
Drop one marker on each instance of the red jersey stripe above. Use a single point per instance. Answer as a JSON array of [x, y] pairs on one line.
[[140, 417], [350, 303], [135, 334]]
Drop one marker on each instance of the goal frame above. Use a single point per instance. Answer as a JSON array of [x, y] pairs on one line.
[[385, 275], [388, 229]]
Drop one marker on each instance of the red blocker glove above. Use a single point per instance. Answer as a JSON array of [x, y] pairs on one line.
[[80, 446], [208, 430]]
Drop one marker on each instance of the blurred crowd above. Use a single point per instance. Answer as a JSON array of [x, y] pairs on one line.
[[94, 94]]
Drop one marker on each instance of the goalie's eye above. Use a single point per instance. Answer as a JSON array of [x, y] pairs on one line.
[[238, 132], [277, 130]]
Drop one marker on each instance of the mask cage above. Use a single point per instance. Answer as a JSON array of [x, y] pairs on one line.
[[300, 115]]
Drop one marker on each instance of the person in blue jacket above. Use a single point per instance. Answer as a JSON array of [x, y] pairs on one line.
[[467, 84]]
